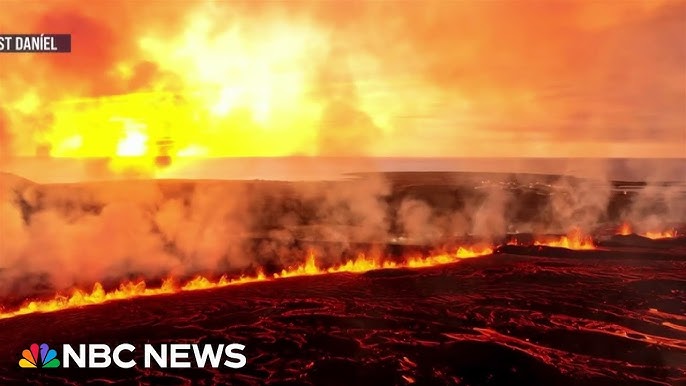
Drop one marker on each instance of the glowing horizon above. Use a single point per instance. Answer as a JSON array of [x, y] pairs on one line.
[[571, 79]]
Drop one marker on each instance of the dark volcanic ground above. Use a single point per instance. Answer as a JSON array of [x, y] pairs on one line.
[[578, 318]]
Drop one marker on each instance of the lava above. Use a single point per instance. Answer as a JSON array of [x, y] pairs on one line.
[[625, 230], [569, 242], [131, 289], [574, 240], [661, 235]]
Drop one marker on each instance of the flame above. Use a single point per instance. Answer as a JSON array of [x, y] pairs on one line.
[[569, 242], [574, 240], [661, 235], [624, 229], [309, 267]]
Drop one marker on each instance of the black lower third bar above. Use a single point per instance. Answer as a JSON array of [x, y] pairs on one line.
[[35, 43]]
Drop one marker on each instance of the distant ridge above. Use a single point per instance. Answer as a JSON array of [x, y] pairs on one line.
[[13, 179], [626, 172]]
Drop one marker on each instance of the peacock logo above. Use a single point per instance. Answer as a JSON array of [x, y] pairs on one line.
[[39, 357]]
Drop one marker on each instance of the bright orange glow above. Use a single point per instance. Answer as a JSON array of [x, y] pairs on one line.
[[129, 290], [624, 229], [661, 235], [309, 78], [569, 242], [133, 145], [574, 240]]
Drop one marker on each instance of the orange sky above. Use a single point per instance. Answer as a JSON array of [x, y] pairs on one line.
[[445, 78]]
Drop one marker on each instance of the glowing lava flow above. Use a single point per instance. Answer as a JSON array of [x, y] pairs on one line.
[[574, 240], [580, 243], [660, 235], [128, 290], [625, 230]]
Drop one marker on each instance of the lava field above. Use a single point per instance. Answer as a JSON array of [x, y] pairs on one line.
[[536, 316]]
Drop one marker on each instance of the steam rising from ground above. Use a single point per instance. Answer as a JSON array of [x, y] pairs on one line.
[[656, 206], [67, 235], [58, 236]]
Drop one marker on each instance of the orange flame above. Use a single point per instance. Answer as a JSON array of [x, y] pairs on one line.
[[570, 242], [624, 229], [661, 235], [574, 240], [129, 290]]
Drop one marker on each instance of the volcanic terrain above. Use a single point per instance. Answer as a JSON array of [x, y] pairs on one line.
[[526, 314]]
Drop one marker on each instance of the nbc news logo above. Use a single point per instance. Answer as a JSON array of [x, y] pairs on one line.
[[39, 356], [172, 355]]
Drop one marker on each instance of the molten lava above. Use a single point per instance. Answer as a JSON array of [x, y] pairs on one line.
[[625, 230], [574, 240], [580, 243], [128, 290], [661, 235]]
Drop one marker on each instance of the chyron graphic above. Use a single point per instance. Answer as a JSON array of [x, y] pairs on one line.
[[48, 357]]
